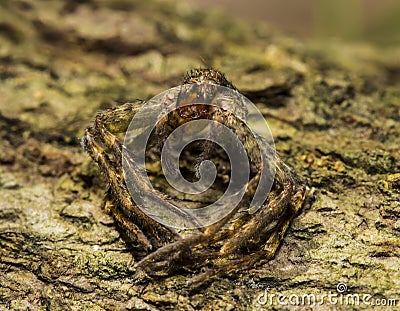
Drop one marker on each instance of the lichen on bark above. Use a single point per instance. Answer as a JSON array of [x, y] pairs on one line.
[[334, 113]]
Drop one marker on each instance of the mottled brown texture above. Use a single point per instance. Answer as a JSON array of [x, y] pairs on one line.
[[242, 237], [334, 112]]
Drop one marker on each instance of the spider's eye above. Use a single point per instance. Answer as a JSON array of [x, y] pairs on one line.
[[193, 112]]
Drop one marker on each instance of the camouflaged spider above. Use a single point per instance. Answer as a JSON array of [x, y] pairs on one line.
[[238, 240]]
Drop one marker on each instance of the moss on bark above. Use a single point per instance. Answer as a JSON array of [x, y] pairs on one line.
[[334, 114]]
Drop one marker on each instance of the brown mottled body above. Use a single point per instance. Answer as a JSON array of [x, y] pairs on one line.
[[238, 240]]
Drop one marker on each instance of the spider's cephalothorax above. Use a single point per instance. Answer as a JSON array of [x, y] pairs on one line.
[[203, 79], [204, 76], [238, 240]]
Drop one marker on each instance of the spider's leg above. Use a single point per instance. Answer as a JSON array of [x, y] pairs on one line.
[[117, 119], [201, 240], [274, 218], [98, 141], [107, 167], [265, 254], [212, 233], [185, 243], [265, 216], [288, 202]]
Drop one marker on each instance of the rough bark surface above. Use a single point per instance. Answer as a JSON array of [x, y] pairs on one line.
[[334, 114]]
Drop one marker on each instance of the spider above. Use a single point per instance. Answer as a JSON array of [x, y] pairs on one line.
[[237, 241]]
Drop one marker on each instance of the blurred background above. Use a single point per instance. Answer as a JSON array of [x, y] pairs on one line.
[[376, 21]]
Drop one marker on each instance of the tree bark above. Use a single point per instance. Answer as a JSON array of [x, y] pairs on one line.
[[334, 112]]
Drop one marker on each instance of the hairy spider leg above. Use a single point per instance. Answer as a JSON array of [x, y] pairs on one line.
[[160, 235], [208, 235], [275, 207], [270, 246]]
